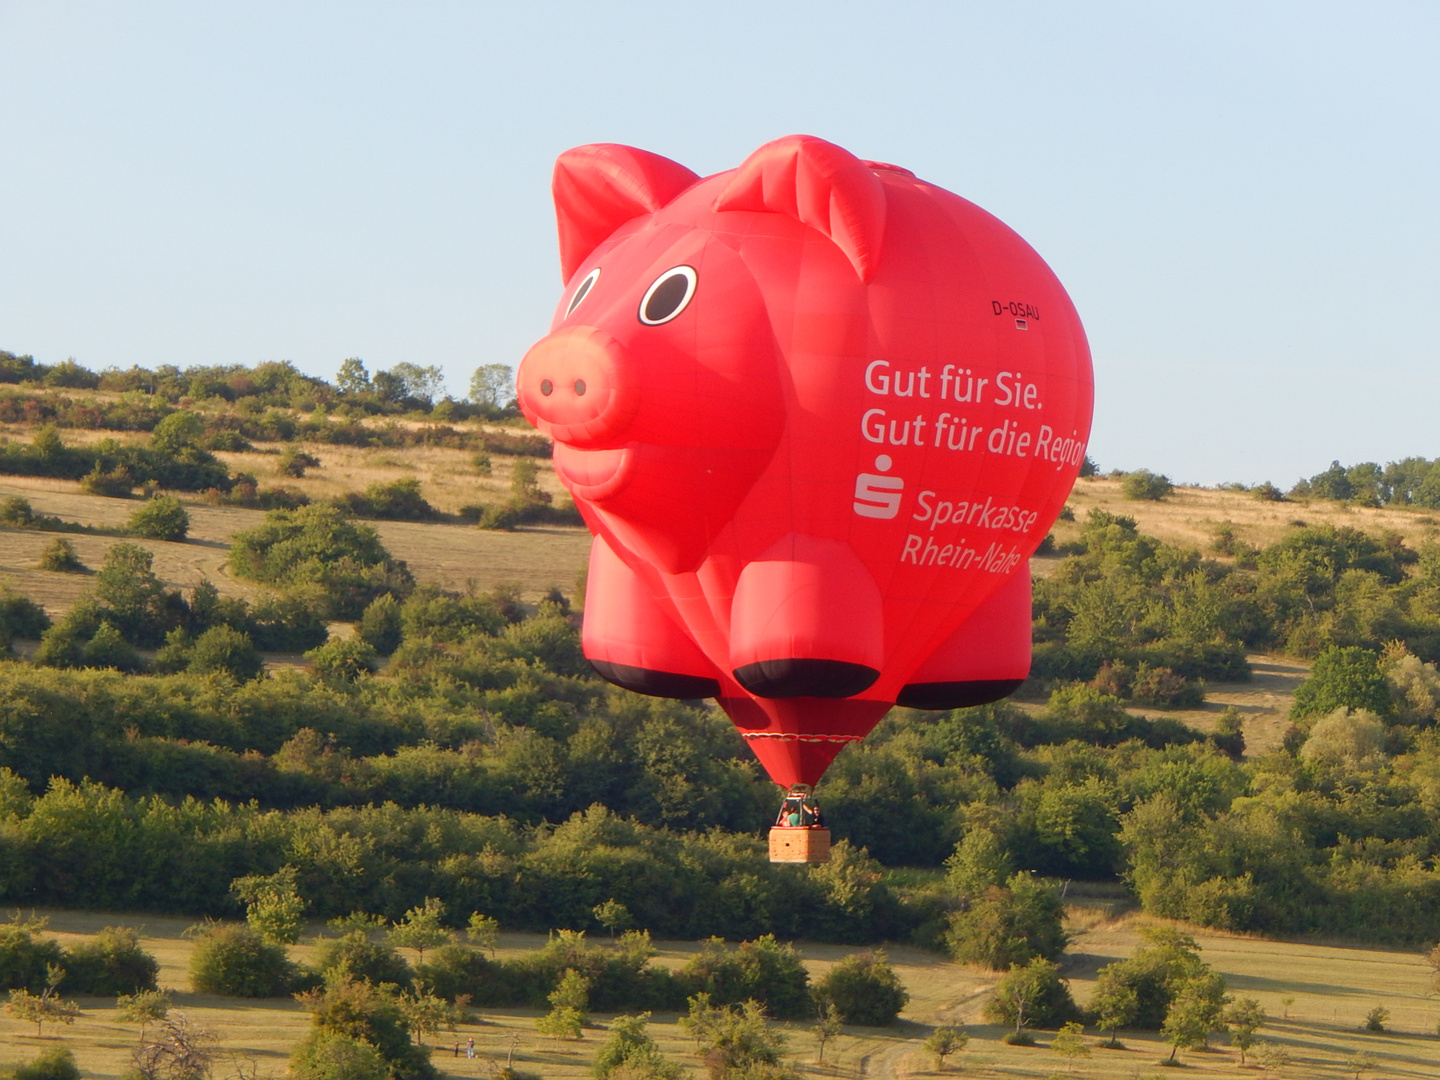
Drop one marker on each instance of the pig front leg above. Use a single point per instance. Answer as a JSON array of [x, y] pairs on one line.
[[986, 659], [632, 641], [806, 621]]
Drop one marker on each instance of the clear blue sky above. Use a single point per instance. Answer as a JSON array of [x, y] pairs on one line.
[[1242, 198]]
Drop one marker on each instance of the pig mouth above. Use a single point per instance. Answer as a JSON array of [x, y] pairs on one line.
[[593, 474]]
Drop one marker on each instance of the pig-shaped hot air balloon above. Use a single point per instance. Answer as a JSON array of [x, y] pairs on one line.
[[818, 414]]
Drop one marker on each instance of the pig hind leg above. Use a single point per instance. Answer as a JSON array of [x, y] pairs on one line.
[[985, 660], [806, 621], [630, 639]]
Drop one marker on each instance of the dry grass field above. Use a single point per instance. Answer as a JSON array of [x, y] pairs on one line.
[[453, 556], [1190, 516], [1332, 987]]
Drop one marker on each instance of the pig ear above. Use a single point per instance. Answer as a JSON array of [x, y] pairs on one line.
[[600, 187], [819, 184]]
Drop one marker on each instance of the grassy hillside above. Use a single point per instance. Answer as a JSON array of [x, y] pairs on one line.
[[1191, 516], [1332, 988], [446, 554]]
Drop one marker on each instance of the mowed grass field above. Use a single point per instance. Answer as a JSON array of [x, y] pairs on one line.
[[1332, 987]]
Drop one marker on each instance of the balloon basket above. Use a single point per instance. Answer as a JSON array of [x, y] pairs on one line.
[[803, 844]]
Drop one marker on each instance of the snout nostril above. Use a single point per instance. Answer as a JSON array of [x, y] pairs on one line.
[[547, 387], [580, 387]]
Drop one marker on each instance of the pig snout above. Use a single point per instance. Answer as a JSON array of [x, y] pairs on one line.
[[576, 386]]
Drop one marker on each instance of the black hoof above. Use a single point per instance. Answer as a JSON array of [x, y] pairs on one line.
[[956, 695], [805, 678], [656, 683]]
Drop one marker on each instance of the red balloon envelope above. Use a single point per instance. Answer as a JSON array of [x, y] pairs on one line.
[[818, 414]]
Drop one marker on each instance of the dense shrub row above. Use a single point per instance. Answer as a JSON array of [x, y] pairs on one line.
[[127, 607], [110, 963], [174, 459], [1413, 481], [145, 395], [1120, 597], [87, 845]]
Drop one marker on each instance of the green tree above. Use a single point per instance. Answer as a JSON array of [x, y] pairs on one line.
[[222, 648], [352, 377], [735, 1038], [1352, 741], [1142, 484], [160, 518], [1333, 483], [492, 385], [59, 557], [319, 545], [235, 961], [1360, 1063], [1069, 1043], [763, 970], [1032, 994], [864, 990], [425, 1013], [111, 962], [561, 1022], [1375, 1019], [1244, 1017], [630, 1051], [355, 955], [144, 1007], [108, 649], [613, 915], [273, 905], [828, 1025], [1166, 959], [16, 510], [46, 1007], [1114, 1003], [572, 991], [422, 384], [46, 444], [483, 931], [943, 1042], [525, 480], [333, 1055], [980, 862], [56, 1063], [1343, 677], [1009, 926], [133, 597], [176, 433], [343, 660], [420, 928], [380, 625], [370, 1014], [569, 1004], [1272, 1056], [1197, 1009], [25, 960]]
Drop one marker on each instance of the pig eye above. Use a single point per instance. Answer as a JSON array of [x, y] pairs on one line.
[[669, 296], [584, 289]]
